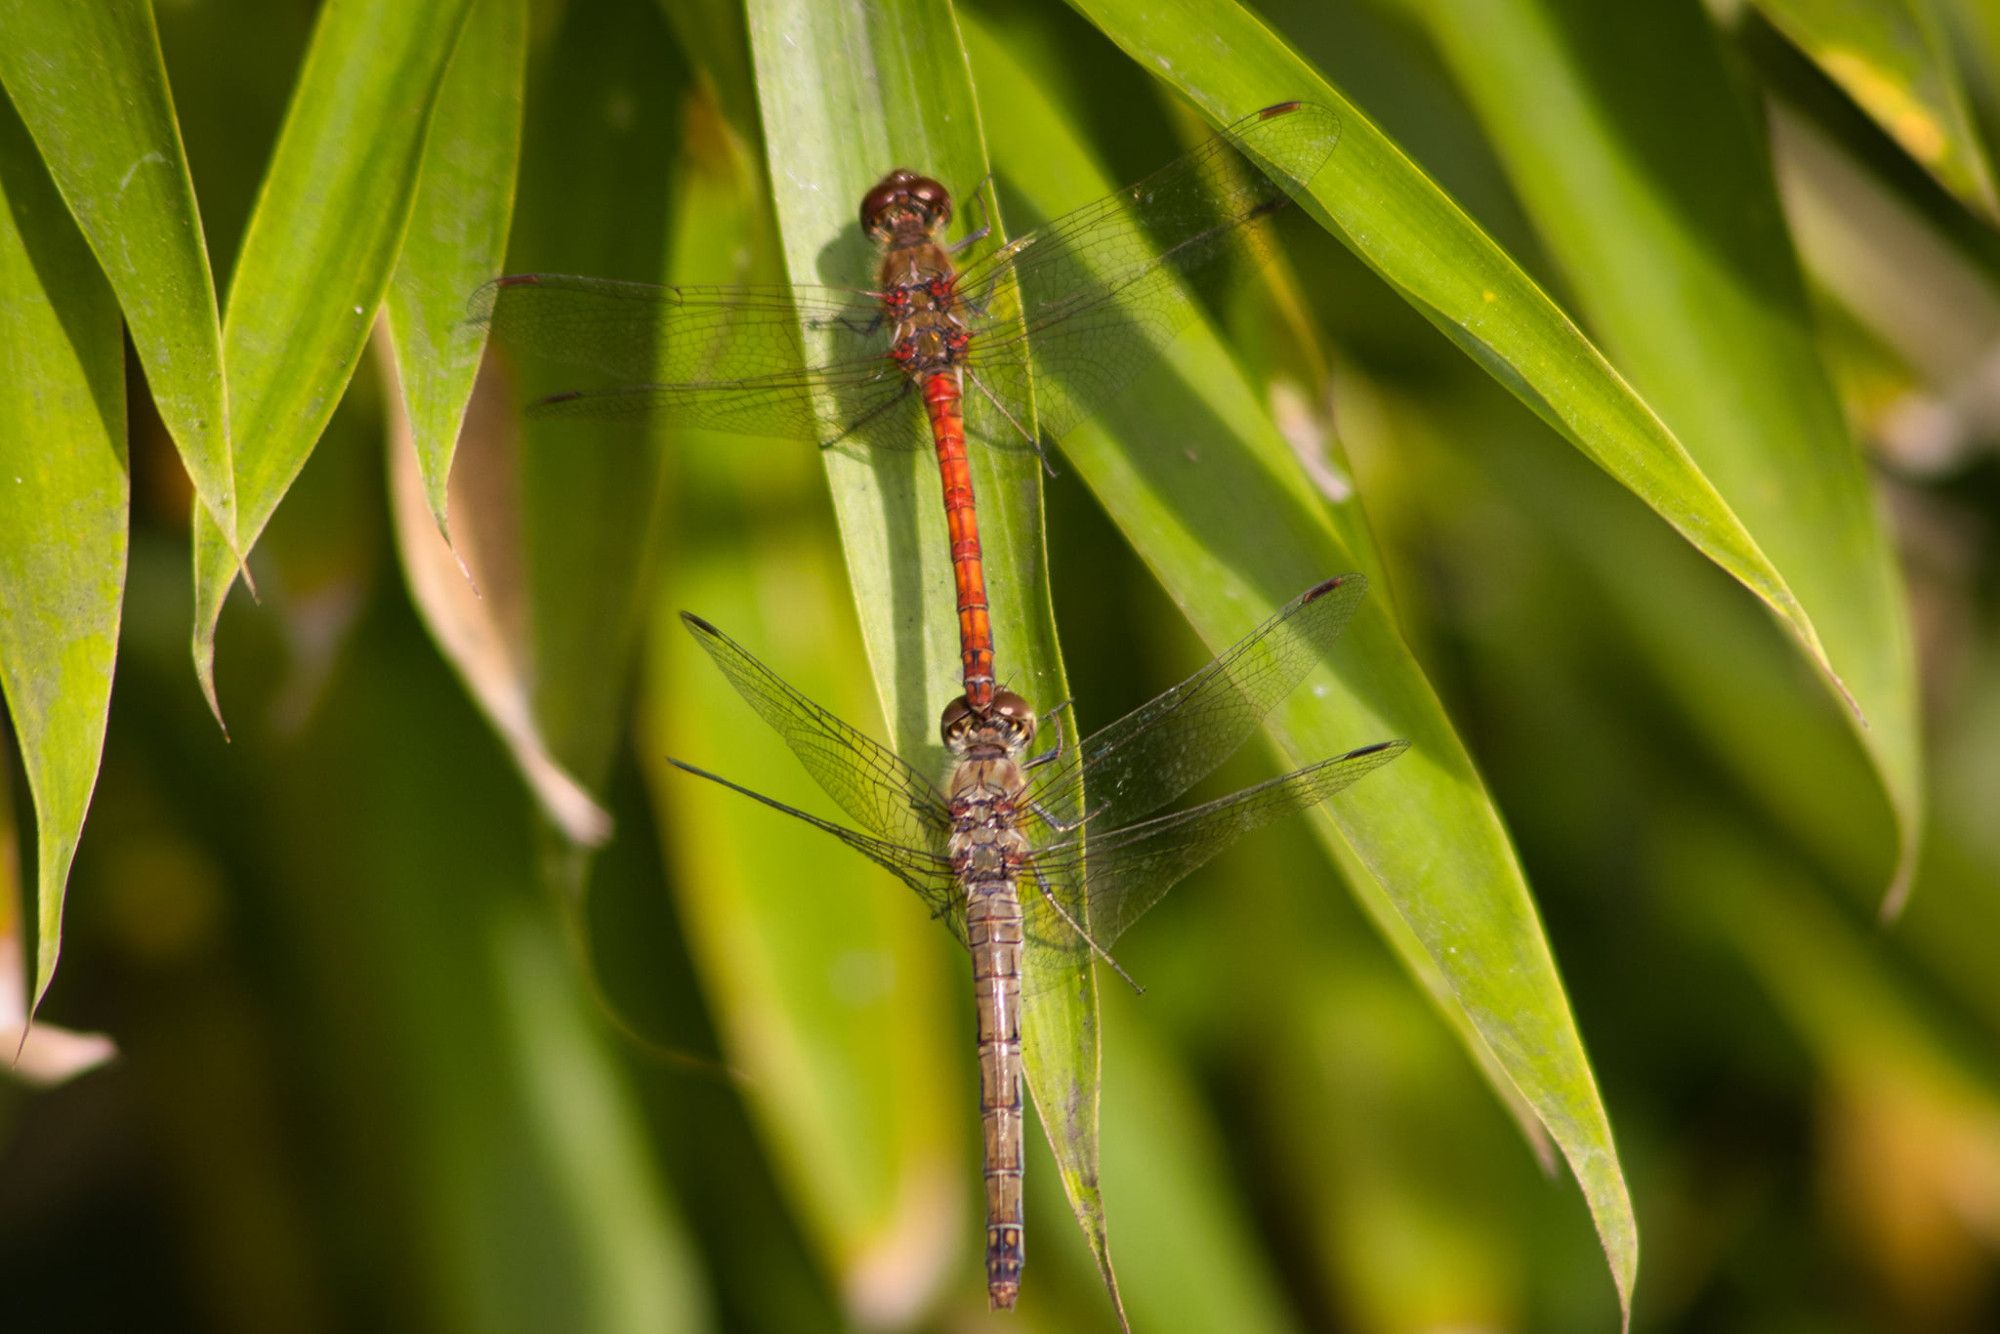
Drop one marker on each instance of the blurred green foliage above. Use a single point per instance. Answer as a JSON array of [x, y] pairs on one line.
[[410, 1037]]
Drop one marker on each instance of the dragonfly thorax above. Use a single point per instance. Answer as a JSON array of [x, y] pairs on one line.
[[904, 204], [1005, 728], [982, 791]]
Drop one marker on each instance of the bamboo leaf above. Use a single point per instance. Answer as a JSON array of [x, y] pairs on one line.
[[592, 199], [849, 90], [470, 597], [841, 1019], [1192, 470], [1652, 185], [458, 234], [1895, 59], [89, 82], [63, 496], [1384, 208], [317, 259]]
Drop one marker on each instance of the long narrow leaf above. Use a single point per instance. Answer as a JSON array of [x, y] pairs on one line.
[[317, 260], [1653, 186], [89, 82], [850, 90], [1194, 473], [1384, 208], [831, 991], [458, 233], [593, 195], [63, 497], [1895, 59]]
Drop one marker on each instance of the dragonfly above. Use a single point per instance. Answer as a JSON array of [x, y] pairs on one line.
[[1101, 290], [1031, 860]]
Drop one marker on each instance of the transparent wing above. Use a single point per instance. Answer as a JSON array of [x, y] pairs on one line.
[[647, 331], [926, 872], [1103, 288], [851, 403], [724, 358], [1131, 768], [865, 778], [1109, 880]]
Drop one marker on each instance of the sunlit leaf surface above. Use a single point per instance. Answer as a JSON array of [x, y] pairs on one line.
[[63, 495], [89, 83], [317, 259]]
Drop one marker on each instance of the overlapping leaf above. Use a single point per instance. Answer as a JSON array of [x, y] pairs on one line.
[[1645, 173], [849, 90], [1195, 474], [89, 82], [317, 260]]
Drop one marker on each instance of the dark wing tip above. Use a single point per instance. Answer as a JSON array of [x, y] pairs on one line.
[[697, 626], [1318, 591], [1279, 109], [518, 280], [1392, 748]]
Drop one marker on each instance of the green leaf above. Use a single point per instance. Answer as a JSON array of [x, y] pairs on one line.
[[458, 233], [1389, 213], [1895, 59], [317, 259], [1653, 186], [639, 1264], [1166, 1159], [471, 598], [849, 90], [834, 998], [1189, 466], [89, 82], [592, 199], [63, 497]]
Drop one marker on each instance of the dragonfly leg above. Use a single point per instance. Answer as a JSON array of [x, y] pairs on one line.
[[1054, 752], [1062, 826], [1048, 895], [850, 323], [870, 415], [1034, 441], [1065, 826], [985, 228]]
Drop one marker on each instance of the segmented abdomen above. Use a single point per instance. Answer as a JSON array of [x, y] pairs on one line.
[[993, 930], [968, 571]]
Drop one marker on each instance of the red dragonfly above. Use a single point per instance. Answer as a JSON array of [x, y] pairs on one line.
[[1101, 292]]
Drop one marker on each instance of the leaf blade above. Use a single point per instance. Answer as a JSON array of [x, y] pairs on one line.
[[1235, 535], [317, 259], [64, 492], [847, 91], [90, 83], [1382, 206], [1647, 213], [1892, 57], [458, 237]]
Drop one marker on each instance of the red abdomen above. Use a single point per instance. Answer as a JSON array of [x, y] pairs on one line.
[[975, 630]]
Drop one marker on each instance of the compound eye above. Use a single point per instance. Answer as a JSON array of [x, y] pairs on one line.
[[935, 199], [956, 718], [1016, 712], [901, 187], [884, 196]]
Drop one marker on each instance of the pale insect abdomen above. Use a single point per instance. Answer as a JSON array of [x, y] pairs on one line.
[[988, 851]]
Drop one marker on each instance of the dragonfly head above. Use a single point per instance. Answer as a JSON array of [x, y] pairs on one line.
[[1006, 726], [904, 202]]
